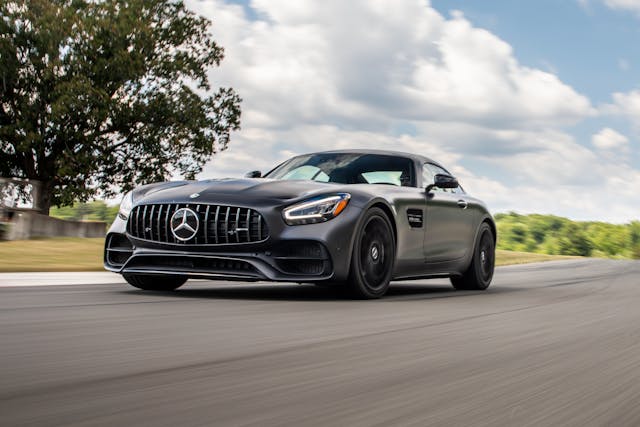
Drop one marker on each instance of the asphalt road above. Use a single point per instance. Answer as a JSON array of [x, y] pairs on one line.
[[548, 344]]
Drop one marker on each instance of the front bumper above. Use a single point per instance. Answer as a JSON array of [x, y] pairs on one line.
[[303, 253]]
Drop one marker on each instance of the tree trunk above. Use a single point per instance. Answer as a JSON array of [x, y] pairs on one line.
[[41, 194]]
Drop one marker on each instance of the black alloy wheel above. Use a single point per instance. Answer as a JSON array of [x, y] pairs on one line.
[[480, 273], [373, 256], [487, 257]]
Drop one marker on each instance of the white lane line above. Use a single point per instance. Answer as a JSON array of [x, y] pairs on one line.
[[8, 280]]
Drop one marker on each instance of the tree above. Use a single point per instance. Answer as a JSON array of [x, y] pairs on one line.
[[99, 96], [574, 241], [634, 236], [92, 211]]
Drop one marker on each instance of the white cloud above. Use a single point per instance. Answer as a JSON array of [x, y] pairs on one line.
[[609, 139], [398, 75], [362, 62], [568, 179], [631, 5], [475, 78], [558, 161], [626, 104]]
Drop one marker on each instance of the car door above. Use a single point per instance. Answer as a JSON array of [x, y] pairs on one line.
[[449, 222]]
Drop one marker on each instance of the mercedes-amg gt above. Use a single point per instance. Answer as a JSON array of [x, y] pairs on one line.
[[356, 219]]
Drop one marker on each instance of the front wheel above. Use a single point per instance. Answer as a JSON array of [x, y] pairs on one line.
[[155, 283], [479, 274], [373, 256]]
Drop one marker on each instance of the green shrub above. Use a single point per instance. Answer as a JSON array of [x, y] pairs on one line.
[[548, 234]]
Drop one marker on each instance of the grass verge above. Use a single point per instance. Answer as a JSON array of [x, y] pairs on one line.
[[77, 254], [58, 254], [509, 257]]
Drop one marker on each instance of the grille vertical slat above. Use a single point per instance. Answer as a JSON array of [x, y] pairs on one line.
[[159, 222], [166, 224], [144, 223], [136, 220], [153, 208], [153, 222], [195, 239], [215, 223], [170, 238], [248, 225], [226, 224], [259, 227], [206, 225], [252, 227], [237, 225]]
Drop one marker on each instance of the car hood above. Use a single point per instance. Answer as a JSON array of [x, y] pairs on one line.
[[237, 191]]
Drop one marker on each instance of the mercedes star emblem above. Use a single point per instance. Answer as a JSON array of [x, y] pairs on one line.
[[184, 224]]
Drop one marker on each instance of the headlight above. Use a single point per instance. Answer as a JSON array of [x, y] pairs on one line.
[[126, 205], [315, 210]]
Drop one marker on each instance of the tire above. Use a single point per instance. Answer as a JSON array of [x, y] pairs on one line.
[[373, 256], [479, 274], [155, 283]]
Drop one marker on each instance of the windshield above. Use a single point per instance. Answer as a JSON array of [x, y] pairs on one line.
[[348, 168]]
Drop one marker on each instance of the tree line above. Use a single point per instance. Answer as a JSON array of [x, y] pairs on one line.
[[548, 234], [91, 211]]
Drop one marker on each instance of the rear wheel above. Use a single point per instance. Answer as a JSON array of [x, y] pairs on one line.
[[373, 256], [155, 283], [479, 274]]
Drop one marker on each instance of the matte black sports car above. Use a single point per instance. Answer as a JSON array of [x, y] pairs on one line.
[[356, 219]]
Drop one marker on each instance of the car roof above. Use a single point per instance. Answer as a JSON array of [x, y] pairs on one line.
[[418, 157]]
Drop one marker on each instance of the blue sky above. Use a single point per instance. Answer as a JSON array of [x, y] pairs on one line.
[[590, 46], [535, 106]]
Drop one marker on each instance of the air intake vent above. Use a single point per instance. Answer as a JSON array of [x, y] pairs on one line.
[[415, 218], [119, 250], [215, 224]]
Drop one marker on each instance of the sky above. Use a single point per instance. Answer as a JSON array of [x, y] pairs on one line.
[[533, 105]]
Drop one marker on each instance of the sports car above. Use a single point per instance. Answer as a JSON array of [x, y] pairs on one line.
[[356, 219]]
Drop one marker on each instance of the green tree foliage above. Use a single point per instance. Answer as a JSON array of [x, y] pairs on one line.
[[561, 236], [574, 241], [92, 211], [635, 239], [99, 96]]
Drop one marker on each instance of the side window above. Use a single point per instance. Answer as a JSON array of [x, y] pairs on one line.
[[430, 170], [427, 175]]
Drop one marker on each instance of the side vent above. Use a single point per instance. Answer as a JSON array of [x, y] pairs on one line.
[[415, 217]]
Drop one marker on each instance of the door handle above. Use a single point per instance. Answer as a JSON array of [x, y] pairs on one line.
[[462, 204]]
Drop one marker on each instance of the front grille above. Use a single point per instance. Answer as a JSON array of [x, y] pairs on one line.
[[218, 224]]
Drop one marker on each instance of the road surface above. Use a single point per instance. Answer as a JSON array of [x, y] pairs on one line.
[[548, 344]]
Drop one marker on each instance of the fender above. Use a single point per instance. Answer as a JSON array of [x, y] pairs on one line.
[[375, 202]]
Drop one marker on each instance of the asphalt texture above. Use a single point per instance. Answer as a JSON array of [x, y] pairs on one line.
[[548, 344]]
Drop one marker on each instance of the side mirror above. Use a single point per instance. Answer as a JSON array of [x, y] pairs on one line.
[[442, 181], [253, 174]]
